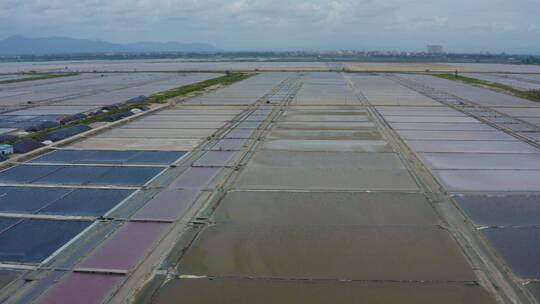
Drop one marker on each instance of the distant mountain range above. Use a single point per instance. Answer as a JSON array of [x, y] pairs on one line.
[[19, 45]]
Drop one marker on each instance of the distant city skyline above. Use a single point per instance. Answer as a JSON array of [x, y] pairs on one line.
[[258, 25], [38, 46]]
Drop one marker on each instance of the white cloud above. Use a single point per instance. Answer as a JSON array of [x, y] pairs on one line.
[[248, 24]]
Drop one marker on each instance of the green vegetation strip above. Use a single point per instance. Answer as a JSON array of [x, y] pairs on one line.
[[199, 86], [533, 95], [38, 77], [161, 97]]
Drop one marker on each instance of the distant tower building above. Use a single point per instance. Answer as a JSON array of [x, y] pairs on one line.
[[435, 49]]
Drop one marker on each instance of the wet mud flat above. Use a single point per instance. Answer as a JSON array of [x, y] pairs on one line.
[[236, 290], [326, 252]]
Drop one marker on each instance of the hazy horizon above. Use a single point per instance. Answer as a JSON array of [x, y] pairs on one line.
[[263, 25]]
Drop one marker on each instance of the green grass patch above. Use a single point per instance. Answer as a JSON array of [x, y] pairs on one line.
[[38, 77], [533, 95], [161, 97], [223, 80]]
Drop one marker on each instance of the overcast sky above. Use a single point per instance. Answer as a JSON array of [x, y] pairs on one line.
[[460, 25]]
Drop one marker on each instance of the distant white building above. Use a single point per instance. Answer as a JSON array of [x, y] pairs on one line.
[[435, 49]]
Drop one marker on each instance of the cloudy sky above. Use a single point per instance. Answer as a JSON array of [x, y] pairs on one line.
[[460, 25]]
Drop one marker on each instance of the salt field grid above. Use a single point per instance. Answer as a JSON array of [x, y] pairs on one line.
[[173, 65], [312, 191], [23, 104], [518, 81], [286, 187], [117, 191], [155, 65], [484, 163]]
